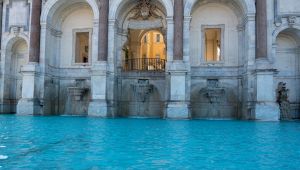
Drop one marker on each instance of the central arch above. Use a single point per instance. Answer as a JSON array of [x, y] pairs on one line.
[[141, 92], [247, 6]]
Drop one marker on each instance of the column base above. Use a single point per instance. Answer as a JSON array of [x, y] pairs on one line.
[[98, 108], [267, 111], [28, 107], [178, 110]]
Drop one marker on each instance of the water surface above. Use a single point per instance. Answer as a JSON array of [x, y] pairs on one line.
[[93, 143]]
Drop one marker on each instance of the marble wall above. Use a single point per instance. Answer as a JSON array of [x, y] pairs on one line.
[[188, 84]]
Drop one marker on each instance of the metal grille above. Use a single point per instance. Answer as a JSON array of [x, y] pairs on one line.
[[144, 64]]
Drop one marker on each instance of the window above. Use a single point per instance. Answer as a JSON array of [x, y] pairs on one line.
[[157, 38], [213, 42], [82, 47]]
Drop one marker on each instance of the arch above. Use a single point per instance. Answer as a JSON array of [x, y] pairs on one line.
[[11, 40], [118, 4], [286, 60], [15, 56], [144, 32], [247, 6], [53, 5], [281, 29]]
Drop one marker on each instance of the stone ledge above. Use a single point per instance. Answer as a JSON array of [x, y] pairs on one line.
[[178, 110]]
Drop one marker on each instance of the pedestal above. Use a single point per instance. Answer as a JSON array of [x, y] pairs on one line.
[[266, 108], [178, 107], [29, 104], [98, 104], [178, 110]]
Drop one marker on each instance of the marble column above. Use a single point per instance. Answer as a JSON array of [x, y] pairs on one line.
[[178, 107], [266, 108], [1, 12], [178, 30], [30, 103], [98, 105], [2, 104], [35, 27], [261, 29], [103, 30]]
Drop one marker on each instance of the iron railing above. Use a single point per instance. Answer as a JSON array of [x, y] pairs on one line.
[[144, 64]]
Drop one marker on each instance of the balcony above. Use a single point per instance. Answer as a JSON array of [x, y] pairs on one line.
[[144, 64]]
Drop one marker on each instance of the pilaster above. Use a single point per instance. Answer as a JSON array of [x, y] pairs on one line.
[[178, 105], [266, 108], [98, 104], [30, 103]]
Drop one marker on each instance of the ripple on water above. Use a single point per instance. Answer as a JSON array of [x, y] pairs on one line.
[[2, 157], [2, 146]]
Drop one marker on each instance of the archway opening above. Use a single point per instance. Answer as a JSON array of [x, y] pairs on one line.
[[287, 81], [145, 51], [16, 57], [68, 57], [215, 48], [140, 53]]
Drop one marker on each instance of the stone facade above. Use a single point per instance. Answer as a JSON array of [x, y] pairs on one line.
[[259, 50]]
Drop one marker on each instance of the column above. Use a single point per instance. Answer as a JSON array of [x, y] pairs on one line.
[[98, 105], [30, 104], [178, 30], [103, 30], [261, 29], [178, 107], [2, 104], [1, 12], [266, 108]]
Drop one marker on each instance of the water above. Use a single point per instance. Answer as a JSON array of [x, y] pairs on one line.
[[92, 143]]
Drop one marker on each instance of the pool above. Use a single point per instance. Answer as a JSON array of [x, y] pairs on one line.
[[93, 143]]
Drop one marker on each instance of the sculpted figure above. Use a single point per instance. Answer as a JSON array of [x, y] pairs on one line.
[[282, 99]]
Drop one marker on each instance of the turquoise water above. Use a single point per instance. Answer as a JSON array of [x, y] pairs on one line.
[[92, 143]]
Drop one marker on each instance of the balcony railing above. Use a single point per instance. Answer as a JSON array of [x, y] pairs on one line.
[[144, 64]]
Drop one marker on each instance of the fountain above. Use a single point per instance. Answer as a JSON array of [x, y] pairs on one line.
[[78, 90]]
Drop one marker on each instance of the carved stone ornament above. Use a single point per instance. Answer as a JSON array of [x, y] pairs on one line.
[[142, 90], [213, 92], [292, 20], [144, 10]]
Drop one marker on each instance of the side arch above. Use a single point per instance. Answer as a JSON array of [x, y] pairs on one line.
[[53, 5], [10, 41], [247, 6], [277, 31]]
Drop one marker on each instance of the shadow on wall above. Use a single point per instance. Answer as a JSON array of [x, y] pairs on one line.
[[214, 100]]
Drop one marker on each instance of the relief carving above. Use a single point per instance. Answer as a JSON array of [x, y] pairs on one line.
[[292, 20], [144, 10], [142, 90], [215, 94], [145, 16]]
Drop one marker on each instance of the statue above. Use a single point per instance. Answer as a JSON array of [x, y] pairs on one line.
[[282, 100]]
